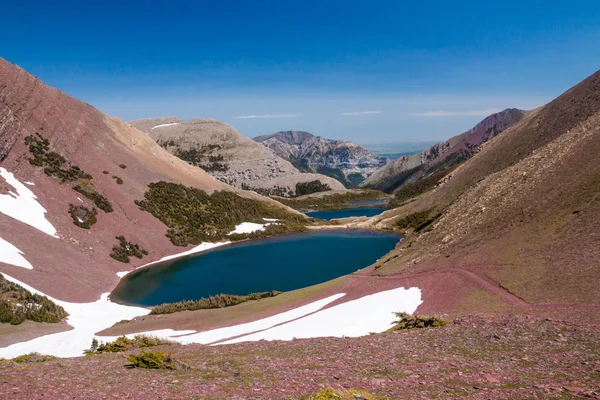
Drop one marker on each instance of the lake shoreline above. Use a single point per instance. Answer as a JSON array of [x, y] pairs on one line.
[[286, 245]]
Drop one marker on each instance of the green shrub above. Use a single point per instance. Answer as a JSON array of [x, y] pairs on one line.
[[417, 221], [53, 163], [342, 394], [218, 301], [126, 249], [122, 343], [33, 358], [87, 189], [82, 216], [303, 188], [407, 321], [18, 304], [105, 172], [276, 190], [122, 166], [193, 216], [155, 360], [118, 180]]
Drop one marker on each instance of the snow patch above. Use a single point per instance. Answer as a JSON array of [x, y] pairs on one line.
[[198, 249], [215, 335], [372, 313], [271, 219], [122, 273], [161, 125], [29, 183], [9, 254], [23, 206], [85, 318], [248, 227]]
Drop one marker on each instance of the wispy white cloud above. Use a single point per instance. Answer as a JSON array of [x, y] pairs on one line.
[[361, 113], [466, 113], [268, 116]]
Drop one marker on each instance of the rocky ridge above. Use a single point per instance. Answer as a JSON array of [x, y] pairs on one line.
[[442, 156], [220, 150]]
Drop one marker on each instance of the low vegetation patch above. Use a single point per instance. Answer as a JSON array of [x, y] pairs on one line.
[[18, 304], [118, 180], [55, 165], [82, 216], [126, 249], [218, 301], [417, 221], [194, 217], [155, 360], [407, 321], [332, 201], [416, 188], [33, 358], [203, 156], [342, 394], [87, 189], [315, 186], [276, 190], [122, 343], [122, 166]]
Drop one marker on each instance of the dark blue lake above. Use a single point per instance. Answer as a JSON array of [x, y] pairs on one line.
[[347, 212], [281, 263]]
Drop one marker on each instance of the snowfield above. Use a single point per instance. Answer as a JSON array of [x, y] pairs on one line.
[[248, 227], [9, 254], [85, 318], [161, 125], [23, 205], [360, 317]]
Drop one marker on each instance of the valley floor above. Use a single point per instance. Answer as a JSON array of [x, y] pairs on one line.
[[478, 357]]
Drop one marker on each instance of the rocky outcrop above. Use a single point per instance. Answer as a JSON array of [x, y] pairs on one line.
[[341, 159], [442, 156], [221, 151]]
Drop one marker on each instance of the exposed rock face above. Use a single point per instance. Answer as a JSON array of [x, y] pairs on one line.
[[75, 265], [442, 155], [221, 151], [341, 159]]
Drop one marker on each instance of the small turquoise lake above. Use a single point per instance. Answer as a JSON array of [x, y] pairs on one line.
[[347, 212], [282, 263]]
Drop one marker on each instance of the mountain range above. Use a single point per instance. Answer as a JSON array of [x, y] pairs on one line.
[[220, 150], [343, 160]]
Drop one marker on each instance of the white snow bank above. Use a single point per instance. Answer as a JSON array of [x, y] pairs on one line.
[[9, 254], [215, 335], [248, 227], [85, 318], [23, 206], [161, 125], [198, 249], [122, 273], [372, 313]]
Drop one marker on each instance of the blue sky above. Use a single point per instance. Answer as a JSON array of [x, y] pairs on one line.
[[378, 71]]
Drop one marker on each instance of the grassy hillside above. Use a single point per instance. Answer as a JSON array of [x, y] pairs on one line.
[[523, 211]]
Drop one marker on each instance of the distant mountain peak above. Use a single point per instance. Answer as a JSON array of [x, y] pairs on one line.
[[341, 159]]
